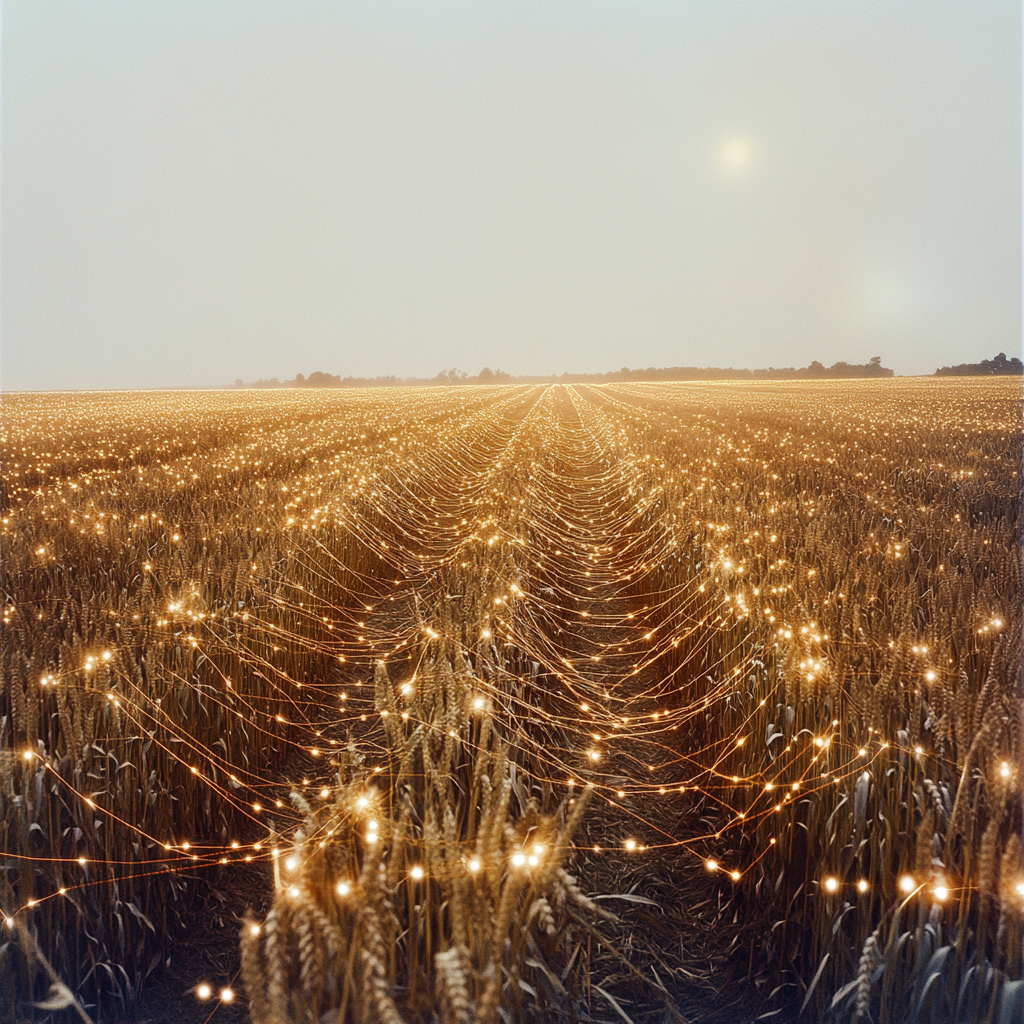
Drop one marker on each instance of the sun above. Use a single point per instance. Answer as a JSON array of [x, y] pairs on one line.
[[736, 155]]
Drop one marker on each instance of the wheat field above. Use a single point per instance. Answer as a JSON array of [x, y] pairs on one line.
[[638, 702]]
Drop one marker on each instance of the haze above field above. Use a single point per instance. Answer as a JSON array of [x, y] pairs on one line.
[[194, 192]]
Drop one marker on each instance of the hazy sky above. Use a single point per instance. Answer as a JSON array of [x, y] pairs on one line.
[[198, 191]]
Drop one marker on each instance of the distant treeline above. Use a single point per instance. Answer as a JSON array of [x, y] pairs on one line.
[[998, 367], [319, 379], [815, 371]]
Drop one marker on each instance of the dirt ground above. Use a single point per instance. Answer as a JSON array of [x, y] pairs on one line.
[[210, 953]]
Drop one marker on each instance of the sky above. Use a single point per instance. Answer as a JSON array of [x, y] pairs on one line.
[[195, 191]]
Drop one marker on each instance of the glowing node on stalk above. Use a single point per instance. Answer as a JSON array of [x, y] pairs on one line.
[[416, 873], [203, 991], [907, 884], [831, 885]]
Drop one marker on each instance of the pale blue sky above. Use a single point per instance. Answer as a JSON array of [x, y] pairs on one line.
[[199, 191]]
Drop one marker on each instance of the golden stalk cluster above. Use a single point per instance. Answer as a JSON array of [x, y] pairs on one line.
[[445, 892]]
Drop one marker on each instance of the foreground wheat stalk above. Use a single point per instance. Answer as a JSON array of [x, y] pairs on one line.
[[440, 892]]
